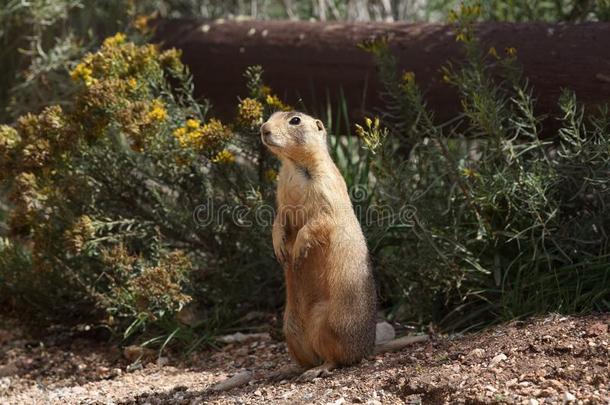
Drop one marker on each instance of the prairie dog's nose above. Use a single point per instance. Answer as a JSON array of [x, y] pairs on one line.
[[266, 129]]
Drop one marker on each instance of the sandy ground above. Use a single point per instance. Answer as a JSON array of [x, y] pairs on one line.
[[554, 359]]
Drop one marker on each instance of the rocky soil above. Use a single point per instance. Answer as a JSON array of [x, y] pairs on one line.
[[554, 360]]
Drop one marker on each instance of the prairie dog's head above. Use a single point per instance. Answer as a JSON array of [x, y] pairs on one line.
[[293, 135]]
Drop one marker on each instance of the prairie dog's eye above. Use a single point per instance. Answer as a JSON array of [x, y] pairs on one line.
[[294, 121]]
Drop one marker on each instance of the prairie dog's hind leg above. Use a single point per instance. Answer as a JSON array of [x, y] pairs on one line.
[[299, 347]]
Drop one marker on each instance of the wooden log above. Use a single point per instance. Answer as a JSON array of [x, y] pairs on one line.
[[307, 60]]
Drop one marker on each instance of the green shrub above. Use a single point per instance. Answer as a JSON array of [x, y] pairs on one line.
[[503, 223]]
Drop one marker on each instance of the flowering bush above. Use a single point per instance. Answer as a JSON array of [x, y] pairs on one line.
[[106, 192]]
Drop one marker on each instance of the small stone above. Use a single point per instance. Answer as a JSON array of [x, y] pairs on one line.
[[568, 397], [555, 384], [497, 360], [478, 352], [597, 329], [5, 383], [8, 370], [384, 332], [532, 401], [548, 392]]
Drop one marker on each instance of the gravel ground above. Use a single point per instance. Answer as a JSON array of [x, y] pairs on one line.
[[545, 360]]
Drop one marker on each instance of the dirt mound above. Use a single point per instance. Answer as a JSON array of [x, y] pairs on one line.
[[554, 359]]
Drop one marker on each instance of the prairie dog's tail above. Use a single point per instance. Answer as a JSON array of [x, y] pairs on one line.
[[398, 344]]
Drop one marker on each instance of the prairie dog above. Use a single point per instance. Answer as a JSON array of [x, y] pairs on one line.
[[329, 319]]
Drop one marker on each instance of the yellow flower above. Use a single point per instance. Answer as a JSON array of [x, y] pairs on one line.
[[198, 136], [224, 157], [81, 232], [265, 90], [468, 172], [250, 112], [452, 16], [470, 10], [376, 45], [510, 51], [171, 59], [408, 77], [180, 132], [185, 138], [373, 135], [274, 101], [408, 81], [492, 51], [132, 83], [141, 24], [37, 153], [9, 138], [158, 111], [213, 132], [118, 39], [84, 73], [270, 175], [192, 124]]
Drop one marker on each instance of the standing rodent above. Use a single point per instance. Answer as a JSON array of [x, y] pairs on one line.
[[329, 319]]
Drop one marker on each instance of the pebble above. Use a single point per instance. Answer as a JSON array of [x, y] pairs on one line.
[[5, 383], [554, 383], [497, 360], [384, 332], [8, 370], [568, 397], [478, 352]]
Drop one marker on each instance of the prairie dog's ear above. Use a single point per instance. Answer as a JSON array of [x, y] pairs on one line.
[[319, 125]]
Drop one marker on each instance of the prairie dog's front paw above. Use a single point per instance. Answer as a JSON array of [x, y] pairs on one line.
[[279, 246], [301, 247], [280, 251]]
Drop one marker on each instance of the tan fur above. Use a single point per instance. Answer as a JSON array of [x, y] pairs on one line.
[[329, 318]]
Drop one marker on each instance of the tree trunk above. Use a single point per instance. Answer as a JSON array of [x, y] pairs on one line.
[[305, 61]]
